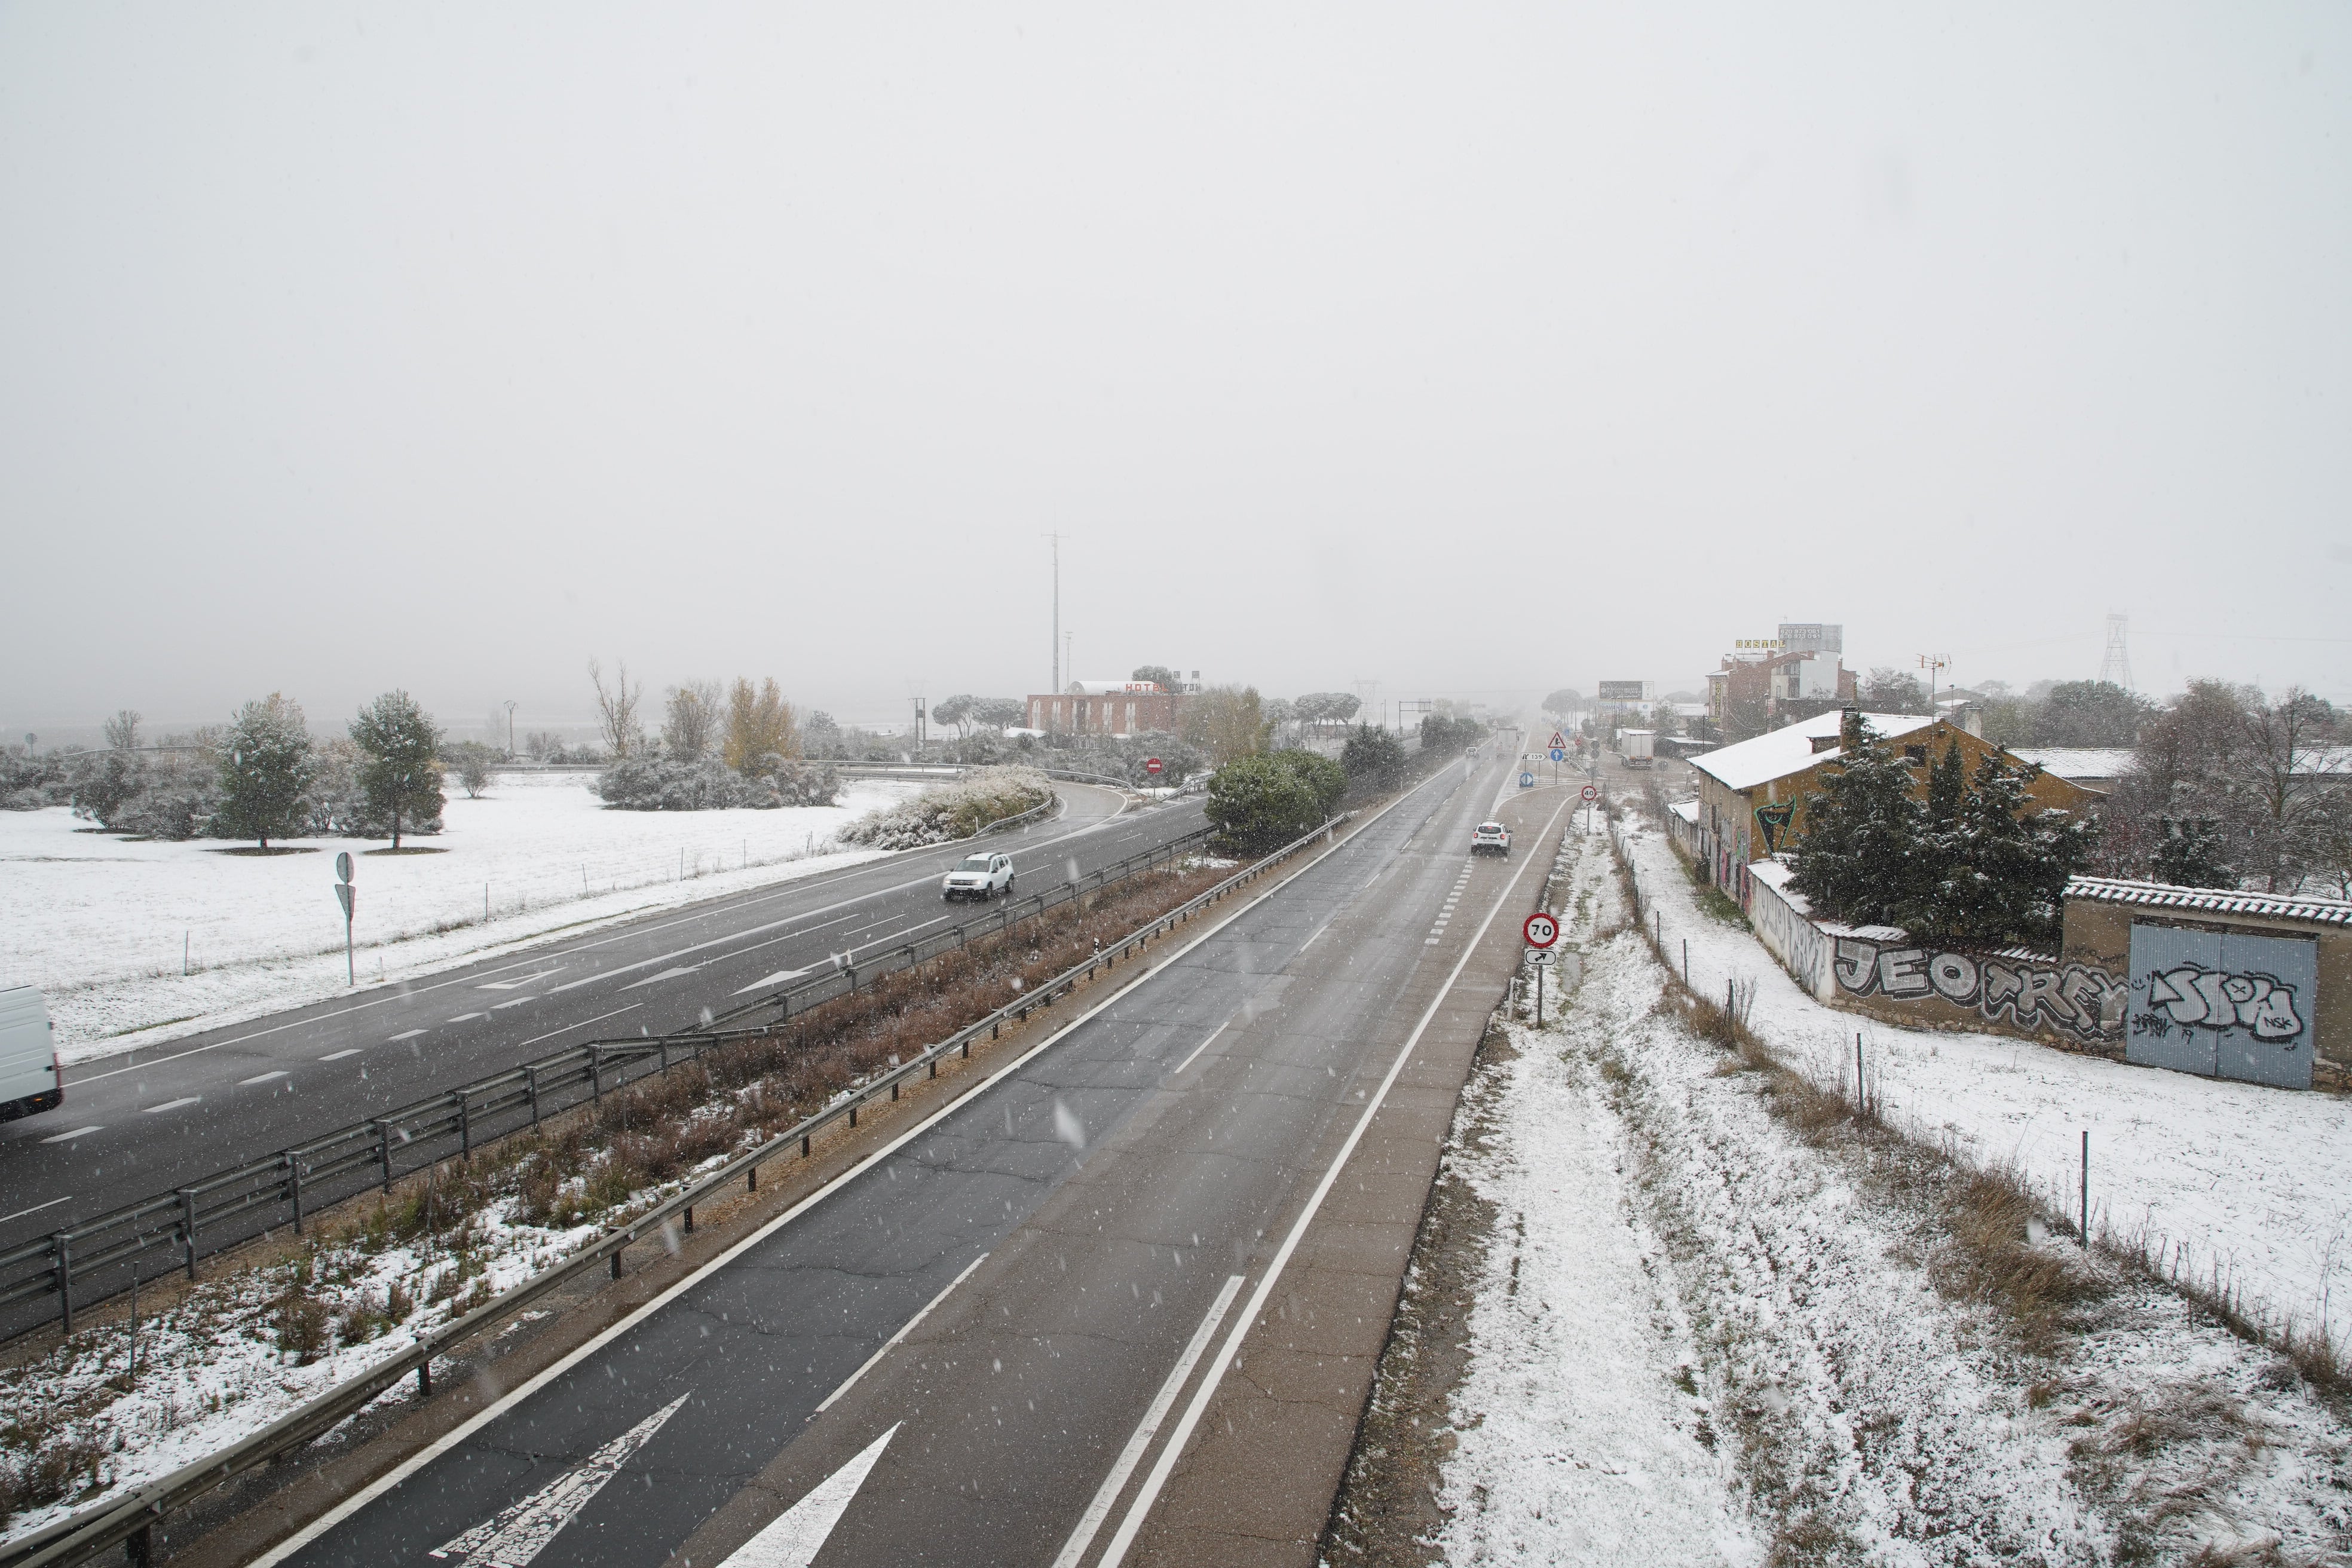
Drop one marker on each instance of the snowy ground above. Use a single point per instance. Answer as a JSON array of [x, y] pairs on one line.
[[2251, 1183], [99, 924], [1700, 1338]]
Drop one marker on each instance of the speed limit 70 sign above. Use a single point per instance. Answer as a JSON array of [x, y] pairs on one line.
[[1541, 931]]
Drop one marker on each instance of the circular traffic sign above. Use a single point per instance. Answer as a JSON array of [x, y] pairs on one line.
[[1152, 765], [1541, 929], [1558, 755], [1591, 791]]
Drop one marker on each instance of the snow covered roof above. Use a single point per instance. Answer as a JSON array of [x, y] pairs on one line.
[[1687, 810], [1780, 752], [2220, 900], [2079, 762]]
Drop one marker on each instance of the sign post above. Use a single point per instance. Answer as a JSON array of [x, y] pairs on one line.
[[1541, 931], [344, 896], [1591, 792]]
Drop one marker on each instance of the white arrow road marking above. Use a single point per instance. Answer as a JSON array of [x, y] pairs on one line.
[[522, 1531], [652, 979], [778, 978], [795, 1536], [518, 982]]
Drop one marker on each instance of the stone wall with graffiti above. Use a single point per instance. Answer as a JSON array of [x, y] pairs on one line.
[[1881, 971]]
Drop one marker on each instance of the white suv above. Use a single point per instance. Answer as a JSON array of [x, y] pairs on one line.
[[1490, 838], [980, 877]]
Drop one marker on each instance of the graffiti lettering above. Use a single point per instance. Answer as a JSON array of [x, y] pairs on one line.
[[2195, 997], [2085, 1001]]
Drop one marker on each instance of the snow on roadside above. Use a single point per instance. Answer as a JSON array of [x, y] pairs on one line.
[[1703, 1297], [2251, 1182], [98, 921]]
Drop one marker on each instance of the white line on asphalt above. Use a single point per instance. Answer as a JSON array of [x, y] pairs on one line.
[[654, 979], [778, 978], [794, 1537], [175, 1104], [908, 1328], [339, 1056], [499, 1406], [582, 1023], [1161, 1467], [1115, 1482], [260, 1077], [407, 1034], [69, 1137], [515, 1002], [463, 1016], [518, 982], [37, 1208], [1202, 1046]]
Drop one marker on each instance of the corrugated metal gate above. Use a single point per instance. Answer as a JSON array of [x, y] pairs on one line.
[[2224, 1004]]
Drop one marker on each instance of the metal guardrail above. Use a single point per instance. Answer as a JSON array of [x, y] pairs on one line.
[[283, 1187], [83, 1536]]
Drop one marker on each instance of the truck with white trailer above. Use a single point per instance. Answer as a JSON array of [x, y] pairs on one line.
[[1639, 747], [29, 1079]]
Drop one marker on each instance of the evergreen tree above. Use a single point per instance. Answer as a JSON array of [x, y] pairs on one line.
[[1264, 802], [1374, 757], [2193, 852], [401, 773], [265, 765], [1947, 786], [1864, 857]]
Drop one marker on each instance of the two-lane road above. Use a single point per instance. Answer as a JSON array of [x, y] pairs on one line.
[[177, 1112], [966, 1351]]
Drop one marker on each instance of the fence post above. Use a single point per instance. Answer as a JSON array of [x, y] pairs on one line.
[[188, 1227], [2086, 1189], [1859, 1100]]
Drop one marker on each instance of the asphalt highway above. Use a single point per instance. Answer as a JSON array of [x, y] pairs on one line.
[[965, 1351], [176, 1112]]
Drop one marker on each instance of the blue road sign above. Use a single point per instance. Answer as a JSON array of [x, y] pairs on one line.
[[1526, 781], [1558, 755]]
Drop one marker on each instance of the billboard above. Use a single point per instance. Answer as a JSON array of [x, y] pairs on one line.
[[2222, 1004], [1623, 690]]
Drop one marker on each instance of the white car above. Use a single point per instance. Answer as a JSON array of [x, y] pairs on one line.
[[980, 877], [1490, 838]]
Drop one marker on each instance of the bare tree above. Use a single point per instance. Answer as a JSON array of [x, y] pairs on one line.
[[123, 731], [692, 716], [617, 709]]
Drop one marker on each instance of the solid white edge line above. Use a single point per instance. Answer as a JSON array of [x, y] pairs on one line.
[[1202, 1046], [489, 1413], [1115, 1482], [1137, 1511], [889, 1344], [569, 1027]]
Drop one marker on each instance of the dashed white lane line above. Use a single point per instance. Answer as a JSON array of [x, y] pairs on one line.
[[463, 1016], [175, 1104], [1202, 1046], [260, 1077], [339, 1056], [407, 1034], [516, 1002], [69, 1137]]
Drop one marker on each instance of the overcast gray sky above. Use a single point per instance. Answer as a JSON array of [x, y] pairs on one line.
[[1465, 348]]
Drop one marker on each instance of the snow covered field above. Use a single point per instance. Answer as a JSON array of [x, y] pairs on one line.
[[100, 924], [1698, 1337], [2250, 1183]]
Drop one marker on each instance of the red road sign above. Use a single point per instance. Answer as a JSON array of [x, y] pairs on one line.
[[1591, 791], [1152, 765], [1559, 741], [1541, 931]]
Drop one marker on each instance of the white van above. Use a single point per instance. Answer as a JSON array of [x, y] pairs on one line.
[[30, 1081]]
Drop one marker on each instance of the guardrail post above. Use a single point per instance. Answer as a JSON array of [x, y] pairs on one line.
[[531, 1085], [689, 1219], [616, 1263], [804, 1145], [753, 1185], [664, 1045], [465, 1125], [853, 1113], [188, 1227], [294, 1187], [61, 1244], [596, 1078], [424, 1378], [384, 1150]]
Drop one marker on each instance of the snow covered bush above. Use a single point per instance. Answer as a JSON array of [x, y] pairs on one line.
[[952, 811], [30, 780], [1263, 803], [670, 783]]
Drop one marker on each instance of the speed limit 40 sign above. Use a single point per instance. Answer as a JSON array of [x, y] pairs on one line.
[[1591, 791], [1541, 931]]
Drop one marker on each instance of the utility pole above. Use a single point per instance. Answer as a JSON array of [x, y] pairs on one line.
[[510, 708]]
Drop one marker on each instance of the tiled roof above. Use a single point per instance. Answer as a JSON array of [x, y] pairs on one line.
[[2220, 900]]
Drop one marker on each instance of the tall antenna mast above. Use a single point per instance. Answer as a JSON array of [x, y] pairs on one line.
[[2116, 668], [1056, 686]]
